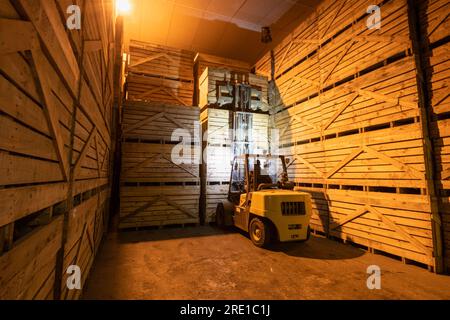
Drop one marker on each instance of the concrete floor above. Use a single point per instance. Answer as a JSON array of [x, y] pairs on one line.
[[207, 263]]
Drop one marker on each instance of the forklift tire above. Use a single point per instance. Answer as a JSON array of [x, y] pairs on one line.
[[260, 232], [308, 235]]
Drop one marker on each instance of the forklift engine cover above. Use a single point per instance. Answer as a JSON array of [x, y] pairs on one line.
[[290, 211]]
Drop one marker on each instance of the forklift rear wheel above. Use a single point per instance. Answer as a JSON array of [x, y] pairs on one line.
[[260, 232], [308, 235]]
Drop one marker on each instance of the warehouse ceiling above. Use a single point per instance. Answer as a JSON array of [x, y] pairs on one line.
[[227, 28]]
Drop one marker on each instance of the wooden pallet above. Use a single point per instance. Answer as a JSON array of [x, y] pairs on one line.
[[156, 206], [42, 82]]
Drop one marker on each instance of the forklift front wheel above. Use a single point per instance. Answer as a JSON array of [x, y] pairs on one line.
[[260, 232]]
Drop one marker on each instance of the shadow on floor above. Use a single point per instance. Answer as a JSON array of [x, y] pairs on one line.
[[318, 248], [315, 248], [168, 233]]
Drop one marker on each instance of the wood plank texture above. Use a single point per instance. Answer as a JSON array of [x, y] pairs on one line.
[[158, 73], [345, 101], [160, 177], [55, 105]]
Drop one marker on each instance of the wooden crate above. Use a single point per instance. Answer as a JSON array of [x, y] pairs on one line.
[[352, 123], [218, 153], [160, 61], [215, 193], [144, 88], [260, 133], [160, 74], [145, 206], [218, 143], [152, 161], [218, 163], [149, 162], [210, 76], [391, 157], [313, 58], [395, 223], [435, 14], [307, 40], [364, 102], [45, 142], [157, 122], [216, 126], [434, 29], [87, 221], [203, 60], [439, 76], [28, 271]]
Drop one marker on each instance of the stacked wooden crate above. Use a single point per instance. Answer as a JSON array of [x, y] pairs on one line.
[[350, 118], [218, 146], [203, 61], [56, 101], [219, 141], [217, 157], [437, 58], [160, 74], [212, 76], [157, 188]]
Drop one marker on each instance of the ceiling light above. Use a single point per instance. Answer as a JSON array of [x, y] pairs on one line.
[[123, 7]]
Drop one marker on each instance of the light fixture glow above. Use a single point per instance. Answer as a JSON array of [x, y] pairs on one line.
[[123, 7]]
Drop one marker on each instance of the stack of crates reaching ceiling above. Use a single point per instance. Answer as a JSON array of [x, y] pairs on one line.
[[230, 128], [160, 181]]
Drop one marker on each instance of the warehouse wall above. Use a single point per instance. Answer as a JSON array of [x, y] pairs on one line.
[[347, 103], [55, 115], [435, 37]]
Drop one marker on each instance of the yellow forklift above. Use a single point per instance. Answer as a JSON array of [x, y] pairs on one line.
[[262, 202]]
